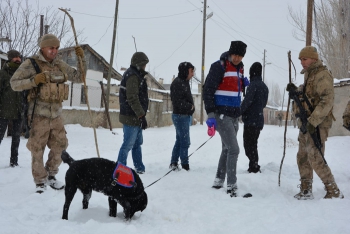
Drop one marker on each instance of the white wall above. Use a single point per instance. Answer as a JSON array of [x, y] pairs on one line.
[[94, 90]]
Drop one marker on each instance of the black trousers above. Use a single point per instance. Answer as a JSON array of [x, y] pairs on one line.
[[16, 134], [250, 139]]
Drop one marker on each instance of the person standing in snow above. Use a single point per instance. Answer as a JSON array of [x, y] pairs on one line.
[[252, 108], [183, 109], [222, 98], [317, 97], [133, 99], [44, 76], [11, 104], [279, 117]]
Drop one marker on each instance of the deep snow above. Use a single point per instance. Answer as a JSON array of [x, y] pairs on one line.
[[182, 202]]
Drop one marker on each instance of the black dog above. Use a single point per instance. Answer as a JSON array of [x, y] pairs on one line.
[[96, 174]]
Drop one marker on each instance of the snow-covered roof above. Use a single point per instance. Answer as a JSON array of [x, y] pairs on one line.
[[113, 82]]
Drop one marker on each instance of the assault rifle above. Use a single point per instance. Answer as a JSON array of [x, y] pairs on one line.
[[302, 115]]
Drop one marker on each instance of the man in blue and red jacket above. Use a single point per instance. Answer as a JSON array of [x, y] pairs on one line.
[[222, 98]]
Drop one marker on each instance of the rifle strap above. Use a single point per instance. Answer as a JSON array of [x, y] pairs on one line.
[[35, 65]]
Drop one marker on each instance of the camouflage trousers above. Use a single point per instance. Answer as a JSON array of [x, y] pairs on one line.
[[309, 158], [51, 133]]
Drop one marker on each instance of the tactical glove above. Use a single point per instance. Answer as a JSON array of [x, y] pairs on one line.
[[143, 123], [79, 51], [40, 79], [291, 87], [310, 128], [211, 122]]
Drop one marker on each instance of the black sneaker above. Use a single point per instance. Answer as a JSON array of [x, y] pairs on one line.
[[216, 186], [254, 169], [174, 167], [185, 167], [12, 164]]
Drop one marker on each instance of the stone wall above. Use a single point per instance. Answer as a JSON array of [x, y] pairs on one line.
[[155, 117]]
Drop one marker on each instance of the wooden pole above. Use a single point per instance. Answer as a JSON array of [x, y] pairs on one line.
[[203, 60], [82, 70], [112, 55], [310, 7], [105, 103], [285, 126]]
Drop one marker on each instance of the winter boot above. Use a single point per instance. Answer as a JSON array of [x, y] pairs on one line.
[[185, 167], [332, 191], [13, 161], [254, 169], [40, 188], [55, 184], [305, 190], [174, 167], [232, 190], [218, 183]]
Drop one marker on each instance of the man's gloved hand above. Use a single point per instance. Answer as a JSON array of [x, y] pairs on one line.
[[40, 79], [310, 128], [79, 51], [211, 122], [245, 81], [143, 122], [291, 87], [346, 122]]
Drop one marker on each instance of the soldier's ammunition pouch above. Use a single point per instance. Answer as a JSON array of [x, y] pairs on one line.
[[55, 90]]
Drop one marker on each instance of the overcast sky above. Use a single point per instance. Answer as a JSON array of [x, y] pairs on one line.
[[169, 40]]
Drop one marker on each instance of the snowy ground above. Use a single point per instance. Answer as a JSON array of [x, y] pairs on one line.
[[182, 202]]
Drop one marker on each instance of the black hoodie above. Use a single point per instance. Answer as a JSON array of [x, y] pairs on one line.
[[180, 92]]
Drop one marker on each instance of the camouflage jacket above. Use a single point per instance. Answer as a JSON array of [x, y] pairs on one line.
[[23, 79], [319, 90]]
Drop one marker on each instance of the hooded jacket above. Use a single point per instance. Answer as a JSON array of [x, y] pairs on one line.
[[254, 103], [215, 81], [180, 93]]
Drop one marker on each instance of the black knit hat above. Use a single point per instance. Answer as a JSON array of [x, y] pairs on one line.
[[238, 48], [13, 54], [183, 69], [255, 69]]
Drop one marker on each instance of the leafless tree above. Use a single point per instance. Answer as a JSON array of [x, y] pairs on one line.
[[20, 22], [331, 33]]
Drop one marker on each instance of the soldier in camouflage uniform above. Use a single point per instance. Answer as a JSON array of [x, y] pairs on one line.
[[47, 91], [346, 117], [318, 89]]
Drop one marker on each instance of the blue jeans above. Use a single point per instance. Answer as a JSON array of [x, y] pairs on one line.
[[182, 143], [132, 141]]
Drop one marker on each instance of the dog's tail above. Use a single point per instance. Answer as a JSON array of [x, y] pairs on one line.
[[66, 158]]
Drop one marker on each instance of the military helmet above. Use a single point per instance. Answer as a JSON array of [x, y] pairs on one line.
[[139, 59]]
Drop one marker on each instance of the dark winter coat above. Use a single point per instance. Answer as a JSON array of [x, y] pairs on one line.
[[213, 80], [254, 103], [181, 96], [10, 101], [133, 96]]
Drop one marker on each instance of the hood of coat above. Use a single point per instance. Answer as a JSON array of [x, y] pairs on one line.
[[183, 70]]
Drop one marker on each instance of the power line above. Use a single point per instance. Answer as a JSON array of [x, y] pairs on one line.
[[155, 17], [178, 47]]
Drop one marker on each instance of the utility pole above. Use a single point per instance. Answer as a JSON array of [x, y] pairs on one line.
[[205, 17], [310, 7], [41, 25], [203, 56], [112, 55], [264, 65]]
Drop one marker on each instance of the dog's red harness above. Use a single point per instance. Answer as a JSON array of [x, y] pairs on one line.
[[123, 176]]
